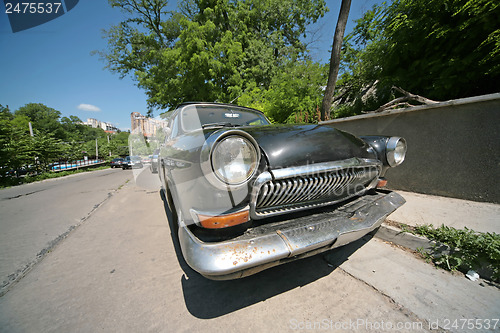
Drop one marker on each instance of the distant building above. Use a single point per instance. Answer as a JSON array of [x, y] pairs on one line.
[[107, 127], [146, 125]]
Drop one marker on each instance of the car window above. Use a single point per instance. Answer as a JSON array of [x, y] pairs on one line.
[[195, 116], [175, 127]]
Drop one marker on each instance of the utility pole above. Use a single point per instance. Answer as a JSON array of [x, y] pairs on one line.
[[31, 128], [96, 150], [108, 146]]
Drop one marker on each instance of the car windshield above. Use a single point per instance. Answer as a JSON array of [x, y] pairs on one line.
[[201, 116]]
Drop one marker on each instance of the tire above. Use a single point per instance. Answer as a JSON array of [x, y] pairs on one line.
[[171, 206]]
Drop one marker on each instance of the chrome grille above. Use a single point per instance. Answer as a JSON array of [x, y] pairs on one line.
[[302, 191]]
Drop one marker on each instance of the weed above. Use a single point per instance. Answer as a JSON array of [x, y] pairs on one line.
[[468, 249]]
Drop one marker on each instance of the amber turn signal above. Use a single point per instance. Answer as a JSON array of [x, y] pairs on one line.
[[381, 182], [223, 221]]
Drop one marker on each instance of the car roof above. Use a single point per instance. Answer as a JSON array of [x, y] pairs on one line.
[[216, 104]]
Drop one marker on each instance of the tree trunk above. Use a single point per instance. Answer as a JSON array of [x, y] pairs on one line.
[[338, 38]]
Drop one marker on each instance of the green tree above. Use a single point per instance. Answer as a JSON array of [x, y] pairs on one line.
[[5, 137], [211, 50], [15, 144], [53, 139], [44, 148], [119, 144], [294, 95], [438, 49], [43, 118]]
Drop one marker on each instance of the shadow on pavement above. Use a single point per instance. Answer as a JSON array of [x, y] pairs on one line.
[[206, 299], [145, 179]]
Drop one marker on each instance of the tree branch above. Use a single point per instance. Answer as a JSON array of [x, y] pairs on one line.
[[404, 100]]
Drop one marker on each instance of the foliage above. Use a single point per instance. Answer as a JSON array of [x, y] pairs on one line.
[[438, 49], [53, 140], [212, 50], [43, 118], [294, 95], [469, 249]]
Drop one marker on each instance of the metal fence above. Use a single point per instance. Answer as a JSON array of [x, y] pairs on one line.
[[75, 165]]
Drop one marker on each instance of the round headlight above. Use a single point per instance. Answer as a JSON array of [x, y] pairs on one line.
[[234, 160], [396, 151]]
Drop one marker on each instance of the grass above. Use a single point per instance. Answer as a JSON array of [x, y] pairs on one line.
[[13, 181], [469, 250]]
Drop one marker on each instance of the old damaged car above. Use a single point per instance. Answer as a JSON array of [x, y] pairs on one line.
[[247, 195]]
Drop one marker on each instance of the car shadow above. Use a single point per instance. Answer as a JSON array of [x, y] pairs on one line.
[[207, 299]]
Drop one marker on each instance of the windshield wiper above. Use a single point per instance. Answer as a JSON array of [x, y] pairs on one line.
[[219, 125]]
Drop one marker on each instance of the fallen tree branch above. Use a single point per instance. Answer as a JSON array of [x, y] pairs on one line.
[[404, 100], [395, 106], [418, 98]]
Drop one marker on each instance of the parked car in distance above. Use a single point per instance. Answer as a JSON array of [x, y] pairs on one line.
[[246, 195], [154, 161], [132, 162], [116, 162], [146, 159]]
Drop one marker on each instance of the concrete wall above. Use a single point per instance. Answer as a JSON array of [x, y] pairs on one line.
[[453, 146]]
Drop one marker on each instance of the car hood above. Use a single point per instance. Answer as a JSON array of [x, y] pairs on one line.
[[293, 145]]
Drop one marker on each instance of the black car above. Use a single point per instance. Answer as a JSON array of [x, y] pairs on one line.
[[116, 162], [132, 162], [247, 195]]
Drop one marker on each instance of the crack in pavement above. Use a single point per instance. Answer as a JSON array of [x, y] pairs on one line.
[[407, 312], [15, 277], [24, 194]]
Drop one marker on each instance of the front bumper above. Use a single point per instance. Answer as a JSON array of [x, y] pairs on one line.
[[281, 241]]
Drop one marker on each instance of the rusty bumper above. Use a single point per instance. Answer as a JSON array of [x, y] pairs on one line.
[[281, 241]]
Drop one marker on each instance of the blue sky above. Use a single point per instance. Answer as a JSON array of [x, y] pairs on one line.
[[52, 63]]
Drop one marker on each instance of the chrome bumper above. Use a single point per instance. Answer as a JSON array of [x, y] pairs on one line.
[[275, 243]]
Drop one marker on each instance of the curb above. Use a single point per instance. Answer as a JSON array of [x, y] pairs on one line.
[[54, 179], [400, 237]]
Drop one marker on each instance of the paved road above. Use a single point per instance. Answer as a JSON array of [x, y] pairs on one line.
[[122, 271], [36, 216]]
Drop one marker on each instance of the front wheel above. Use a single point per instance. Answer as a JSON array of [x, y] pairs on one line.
[[171, 206]]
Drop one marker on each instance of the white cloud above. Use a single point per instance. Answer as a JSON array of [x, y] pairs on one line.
[[89, 107]]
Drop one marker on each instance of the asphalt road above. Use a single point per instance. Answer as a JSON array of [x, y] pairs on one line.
[[122, 271], [34, 217]]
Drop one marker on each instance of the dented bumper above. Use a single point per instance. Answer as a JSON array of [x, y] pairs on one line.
[[283, 240]]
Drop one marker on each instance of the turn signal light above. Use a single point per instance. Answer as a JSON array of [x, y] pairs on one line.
[[381, 182], [223, 221]]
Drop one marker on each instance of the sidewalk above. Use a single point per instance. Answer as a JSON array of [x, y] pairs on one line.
[[422, 209], [432, 294]]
